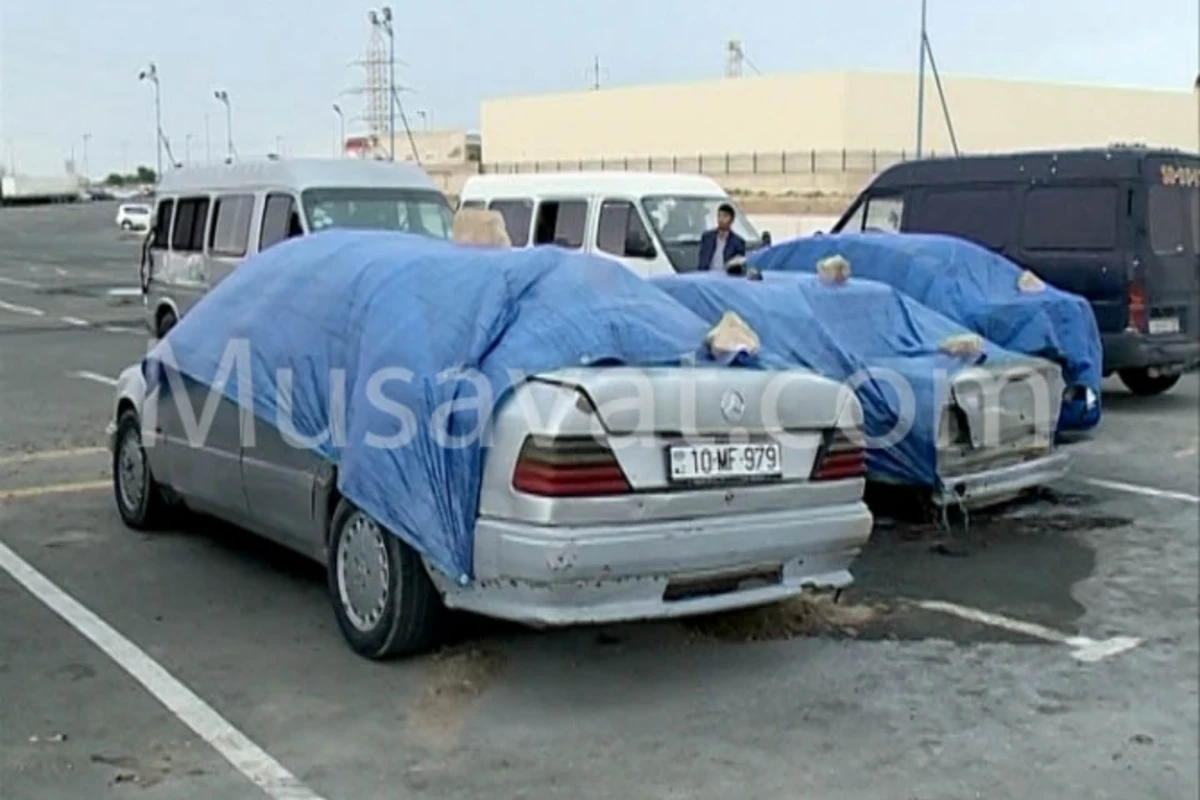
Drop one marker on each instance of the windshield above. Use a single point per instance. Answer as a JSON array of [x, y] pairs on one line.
[[680, 222], [419, 211]]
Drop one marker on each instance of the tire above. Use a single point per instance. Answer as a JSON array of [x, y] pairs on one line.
[[144, 506], [166, 321], [126, 225], [405, 618], [1141, 383]]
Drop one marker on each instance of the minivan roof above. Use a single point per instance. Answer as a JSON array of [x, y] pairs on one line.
[[298, 174], [1112, 162], [591, 183]]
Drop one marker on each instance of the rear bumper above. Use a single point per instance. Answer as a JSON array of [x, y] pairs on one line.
[[1129, 350], [991, 486], [567, 575]]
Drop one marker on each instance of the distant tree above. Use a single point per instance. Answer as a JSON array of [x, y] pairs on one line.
[[146, 175], [114, 179]]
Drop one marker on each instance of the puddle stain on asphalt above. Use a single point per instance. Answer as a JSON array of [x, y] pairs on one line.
[[458, 677]]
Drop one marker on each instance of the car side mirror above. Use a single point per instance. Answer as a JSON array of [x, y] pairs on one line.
[[766, 238], [640, 247]]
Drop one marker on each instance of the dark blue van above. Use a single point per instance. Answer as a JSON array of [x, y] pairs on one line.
[[1120, 227]]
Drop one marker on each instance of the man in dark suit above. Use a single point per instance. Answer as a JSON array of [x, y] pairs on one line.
[[718, 246]]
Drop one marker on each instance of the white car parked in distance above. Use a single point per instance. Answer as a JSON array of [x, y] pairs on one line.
[[133, 217]]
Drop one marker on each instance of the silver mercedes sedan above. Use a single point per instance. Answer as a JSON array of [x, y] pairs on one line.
[[734, 488]]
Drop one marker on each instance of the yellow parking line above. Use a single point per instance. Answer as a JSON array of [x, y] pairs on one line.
[[58, 488], [51, 455]]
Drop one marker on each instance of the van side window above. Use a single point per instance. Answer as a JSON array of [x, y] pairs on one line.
[[884, 214], [562, 223], [1070, 218], [518, 217], [278, 221], [231, 225], [1168, 220], [472, 204], [620, 231], [983, 216], [191, 216], [162, 224]]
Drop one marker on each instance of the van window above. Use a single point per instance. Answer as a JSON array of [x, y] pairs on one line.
[[561, 222], [518, 217], [883, 214], [190, 219], [231, 225], [279, 220], [1070, 218], [162, 224], [408, 210], [983, 216], [1169, 234], [619, 228], [472, 204]]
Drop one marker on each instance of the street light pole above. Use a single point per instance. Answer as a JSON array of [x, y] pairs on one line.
[[150, 73], [223, 97], [86, 136], [921, 85], [341, 148]]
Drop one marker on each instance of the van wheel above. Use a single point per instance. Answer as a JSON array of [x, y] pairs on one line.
[[140, 499], [166, 321], [126, 225], [1141, 383], [385, 604]]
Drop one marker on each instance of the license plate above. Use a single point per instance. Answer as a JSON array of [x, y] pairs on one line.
[[725, 461], [1164, 325]]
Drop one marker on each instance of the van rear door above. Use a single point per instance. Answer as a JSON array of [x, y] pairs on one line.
[[1077, 237], [1172, 248]]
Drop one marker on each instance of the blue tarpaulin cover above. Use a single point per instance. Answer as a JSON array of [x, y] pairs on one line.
[[860, 331], [365, 302], [976, 288]]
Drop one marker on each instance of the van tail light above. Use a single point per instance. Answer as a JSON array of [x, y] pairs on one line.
[[1137, 307], [568, 467], [842, 457]]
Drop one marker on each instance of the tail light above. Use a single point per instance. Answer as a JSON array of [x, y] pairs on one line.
[[841, 458], [1137, 307], [568, 467]]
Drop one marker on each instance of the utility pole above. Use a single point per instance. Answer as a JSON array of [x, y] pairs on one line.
[[150, 73], [382, 20], [921, 85], [86, 136]]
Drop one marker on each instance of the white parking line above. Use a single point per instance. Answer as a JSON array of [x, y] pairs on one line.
[[20, 283], [1147, 491], [76, 321], [33, 312], [92, 376], [1083, 648], [51, 455], [119, 329], [246, 757]]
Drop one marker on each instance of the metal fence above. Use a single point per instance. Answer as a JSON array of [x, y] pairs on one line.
[[798, 162]]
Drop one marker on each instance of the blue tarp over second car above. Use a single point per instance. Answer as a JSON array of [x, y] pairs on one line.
[[977, 289], [886, 345], [407, 322]]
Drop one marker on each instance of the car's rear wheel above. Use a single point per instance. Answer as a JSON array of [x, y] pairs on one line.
[[166, 321], [385, 604], [126, 225], [1143, 384], [140, 499]]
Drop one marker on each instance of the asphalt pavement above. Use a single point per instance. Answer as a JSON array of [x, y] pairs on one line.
[[1050, 649]]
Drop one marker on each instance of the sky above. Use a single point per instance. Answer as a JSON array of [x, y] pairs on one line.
[[70, 67]]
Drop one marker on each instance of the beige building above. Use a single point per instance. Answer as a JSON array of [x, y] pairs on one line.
[[829, 131]]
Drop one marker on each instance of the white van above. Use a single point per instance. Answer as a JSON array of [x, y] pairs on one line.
[[208, 219], [649, 221]]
